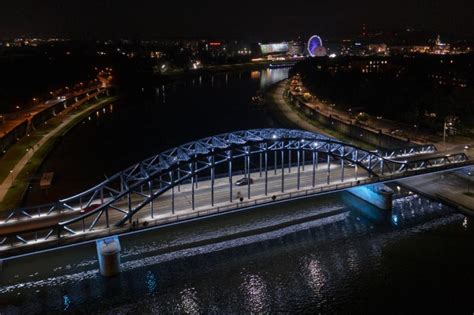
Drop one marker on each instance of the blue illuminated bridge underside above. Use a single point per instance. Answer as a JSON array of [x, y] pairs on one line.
[[199, 178]]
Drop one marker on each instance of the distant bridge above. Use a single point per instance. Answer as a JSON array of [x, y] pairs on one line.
[[199, 178]]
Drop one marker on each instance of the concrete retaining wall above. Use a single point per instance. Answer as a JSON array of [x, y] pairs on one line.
[[20, 131], [12, 137], [377, 139], [48, 113]]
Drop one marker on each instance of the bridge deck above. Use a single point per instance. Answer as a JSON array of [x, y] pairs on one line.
[[159, 190]]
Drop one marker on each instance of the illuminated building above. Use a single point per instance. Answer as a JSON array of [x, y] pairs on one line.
[[274, 48], [295, 48]]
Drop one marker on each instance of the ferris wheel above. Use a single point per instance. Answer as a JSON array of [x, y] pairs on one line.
[[313, 43]]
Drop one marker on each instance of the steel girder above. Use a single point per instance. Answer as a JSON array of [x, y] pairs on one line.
[[171, 168], [129, 191]]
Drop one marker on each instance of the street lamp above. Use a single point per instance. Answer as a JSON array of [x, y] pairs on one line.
[[11, 173], [469, 174], [449, 122], [445, 127]]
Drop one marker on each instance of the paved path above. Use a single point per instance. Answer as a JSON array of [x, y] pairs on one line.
[[9, 180], [13, 120], [276, 99]]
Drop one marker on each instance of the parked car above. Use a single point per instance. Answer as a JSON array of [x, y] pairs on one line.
[[244, 181], [92, 207]]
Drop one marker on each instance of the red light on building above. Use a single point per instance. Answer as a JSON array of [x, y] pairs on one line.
[[215, 43]]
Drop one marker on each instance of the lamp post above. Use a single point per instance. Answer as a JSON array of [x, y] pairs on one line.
[[444, 132], [449, 122], [469, 174]]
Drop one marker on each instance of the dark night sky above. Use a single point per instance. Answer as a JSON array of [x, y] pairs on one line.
[[229, 19]]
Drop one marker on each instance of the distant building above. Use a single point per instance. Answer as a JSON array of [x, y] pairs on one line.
[[320, 52], [363, 65], [274, 48], [440, 48], [378, 49], [296, 48]]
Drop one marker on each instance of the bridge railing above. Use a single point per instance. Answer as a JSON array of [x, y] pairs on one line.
[[58, 235], [96, 194], [408, 151]]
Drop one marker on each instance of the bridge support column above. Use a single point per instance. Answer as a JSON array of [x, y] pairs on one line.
[[212, 180], [282, 171], [192, 185], [298, 170], [304, 160], [289, 161], [108, 254], [329, 169], [196, 175], [229, 155], [342, 169], [266, 172], [275, 160], [378, 195], [247, 158], [172, 192]]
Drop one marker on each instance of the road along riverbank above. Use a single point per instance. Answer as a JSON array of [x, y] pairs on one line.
[[28, 154]]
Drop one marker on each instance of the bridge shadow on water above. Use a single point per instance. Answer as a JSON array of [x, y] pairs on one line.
[[280, 261]]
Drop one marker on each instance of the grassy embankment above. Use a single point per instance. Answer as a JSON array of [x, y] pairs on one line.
[[15, 194]]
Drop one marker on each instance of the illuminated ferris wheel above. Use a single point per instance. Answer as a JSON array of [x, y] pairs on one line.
[[313, 44]]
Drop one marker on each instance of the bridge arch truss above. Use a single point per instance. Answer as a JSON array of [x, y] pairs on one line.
[[117, 200]]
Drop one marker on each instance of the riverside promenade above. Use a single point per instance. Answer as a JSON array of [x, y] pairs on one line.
[[69, 118], [455, 188]]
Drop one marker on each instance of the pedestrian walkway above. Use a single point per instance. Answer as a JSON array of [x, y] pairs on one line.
[[16, 170]]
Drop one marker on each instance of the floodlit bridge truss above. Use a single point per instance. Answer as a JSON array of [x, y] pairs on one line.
[[115, 202]]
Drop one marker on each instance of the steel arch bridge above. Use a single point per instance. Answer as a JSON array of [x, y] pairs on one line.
[[115, 202]]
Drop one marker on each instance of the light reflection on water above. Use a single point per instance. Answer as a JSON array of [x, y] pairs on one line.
[[298, 268], [138, 126], [255, 293]]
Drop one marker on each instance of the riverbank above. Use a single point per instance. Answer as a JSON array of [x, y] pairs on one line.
[[24, 158], [249, 66], [287, 114], [452, 188]]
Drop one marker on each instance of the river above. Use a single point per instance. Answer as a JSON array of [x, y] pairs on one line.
[[348, 258], [150, 120]]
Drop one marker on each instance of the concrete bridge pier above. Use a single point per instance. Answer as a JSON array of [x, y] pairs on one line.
[[378, 195], [108, 254]]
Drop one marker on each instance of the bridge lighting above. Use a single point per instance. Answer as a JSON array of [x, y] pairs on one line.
[[395, 219], [185, 153]]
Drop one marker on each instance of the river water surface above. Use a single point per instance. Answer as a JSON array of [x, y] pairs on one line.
[[327, 254]]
